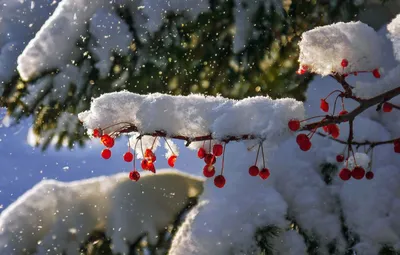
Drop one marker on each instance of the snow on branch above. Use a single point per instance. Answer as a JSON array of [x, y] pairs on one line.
[[394, 35], [193, 116], [55, 43], [323, 49]]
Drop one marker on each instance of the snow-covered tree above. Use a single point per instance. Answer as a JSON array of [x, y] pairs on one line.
[[334, 192], [57, 55]]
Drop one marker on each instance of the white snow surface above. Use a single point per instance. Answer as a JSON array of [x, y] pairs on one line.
[[55, 216], [55, 43], [195, 115], [322, 49], [394, 34], [388, 81]]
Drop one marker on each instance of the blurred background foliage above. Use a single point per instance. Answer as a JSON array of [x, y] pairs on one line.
[[182, 57]]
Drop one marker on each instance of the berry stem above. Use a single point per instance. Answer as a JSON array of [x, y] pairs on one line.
[[223, 160], [141, 147], [258, 152], [314, 117], [173, 153], [154, 141], [343, 109], [334, 104], [134, 154], [262, 153], [336, 90]]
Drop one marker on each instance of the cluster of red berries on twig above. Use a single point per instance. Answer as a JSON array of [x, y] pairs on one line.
[[210, 158], [149, 157], [218, 150], [332, 129]]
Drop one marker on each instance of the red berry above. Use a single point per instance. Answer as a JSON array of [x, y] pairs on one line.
[[149, 155], [219, 181], [355, 73], [128, 156], [264, 173], [305, 146], [344, 112], [134, 175], [358, 173], [294, 125], [369, 175], [325, 128], [254, 170], [376, 73], [302, 70], [171, 160], [386, 107], [302, 138], [151, 167], [340, 158], [344, 63], [396, 144], [397, 148], [217, 150], [106, 153], [208, 171], [145, 164], [324, 105], [345, 174], [201, 153], [303, 141], [107, 140], [333, 130], [96, 133], [210, 159]]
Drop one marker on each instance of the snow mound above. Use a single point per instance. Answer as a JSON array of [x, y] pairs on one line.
[[195, 115], [394, 35], [225, 221], [322, 49], [54, 216]]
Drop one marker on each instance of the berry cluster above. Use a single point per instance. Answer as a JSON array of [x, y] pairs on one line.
[[332, 129], [147, 163], [357, 173], [218, 150], [209, 156], [210, 159]]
